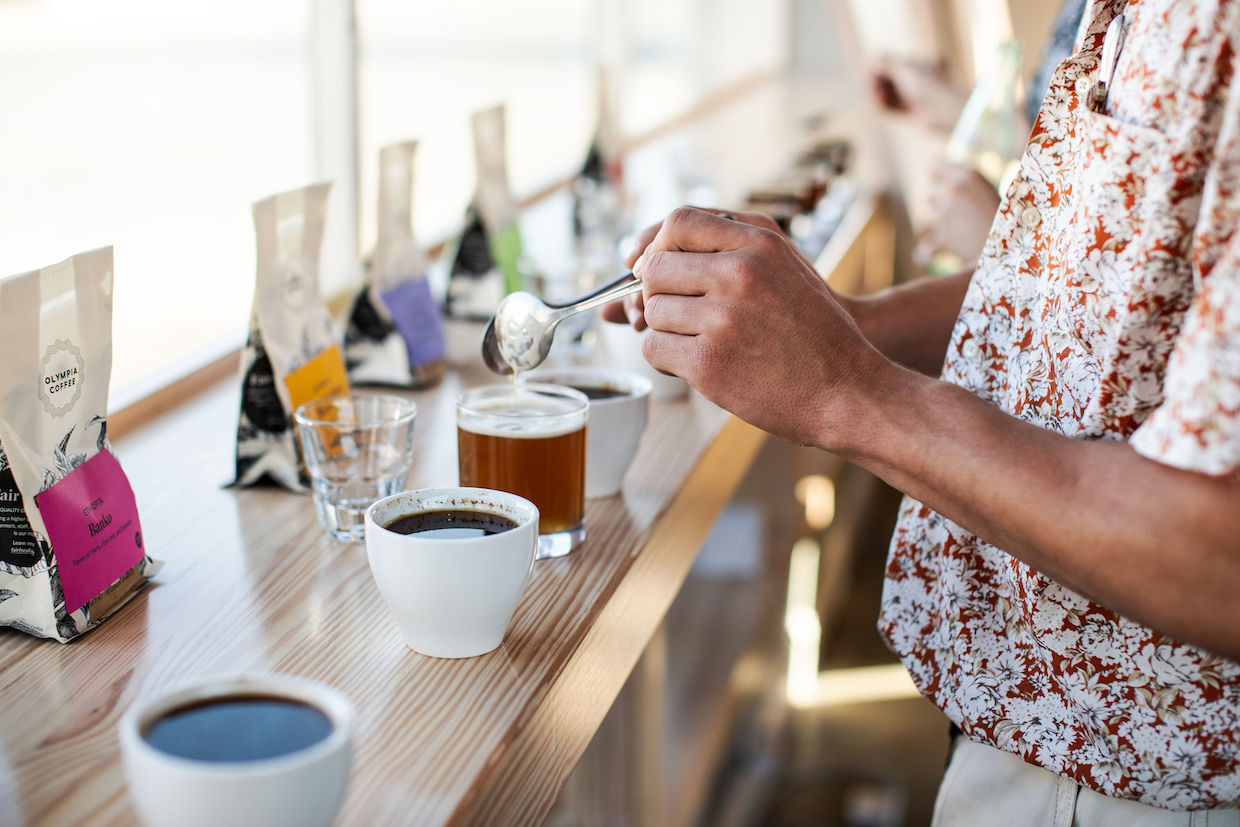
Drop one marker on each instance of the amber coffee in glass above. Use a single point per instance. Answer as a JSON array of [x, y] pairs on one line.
[[529, 441]]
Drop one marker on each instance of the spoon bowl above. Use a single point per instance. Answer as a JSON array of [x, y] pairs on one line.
[[519, 335]]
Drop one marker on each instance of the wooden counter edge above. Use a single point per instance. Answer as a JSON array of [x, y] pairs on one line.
[[524, 786]]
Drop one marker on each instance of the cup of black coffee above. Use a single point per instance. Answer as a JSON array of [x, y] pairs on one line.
[[451, 564], [261, 750]]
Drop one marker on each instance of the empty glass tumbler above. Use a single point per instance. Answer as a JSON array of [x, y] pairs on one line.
[[358, 448]]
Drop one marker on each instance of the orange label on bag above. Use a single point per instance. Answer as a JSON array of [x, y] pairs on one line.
[[324, 375]]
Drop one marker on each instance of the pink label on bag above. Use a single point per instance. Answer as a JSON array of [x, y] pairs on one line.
[[92, 523]]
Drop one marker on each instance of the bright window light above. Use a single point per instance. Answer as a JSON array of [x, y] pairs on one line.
[[802, 623], [152, 126]]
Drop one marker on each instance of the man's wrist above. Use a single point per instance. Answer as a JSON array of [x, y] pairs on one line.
[[866, 420]]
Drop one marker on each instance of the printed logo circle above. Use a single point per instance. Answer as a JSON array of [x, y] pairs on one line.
[[61, 374], [295, 282]]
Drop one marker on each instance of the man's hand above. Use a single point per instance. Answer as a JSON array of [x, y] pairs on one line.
[[909, 324], [918, 88], [961, 208], [736, 311], [629, 311]]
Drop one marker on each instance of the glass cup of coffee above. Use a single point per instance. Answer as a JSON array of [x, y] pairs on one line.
[[357, 447], [529, 440], [452, 564], [262, 749]]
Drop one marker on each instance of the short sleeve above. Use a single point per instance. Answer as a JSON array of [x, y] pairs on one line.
[[1197, 426]]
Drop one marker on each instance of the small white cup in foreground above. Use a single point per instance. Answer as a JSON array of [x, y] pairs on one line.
[[616, 422], [300, 788], [452, 597]]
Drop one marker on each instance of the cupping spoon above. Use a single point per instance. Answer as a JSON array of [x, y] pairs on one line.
[[520, 333]]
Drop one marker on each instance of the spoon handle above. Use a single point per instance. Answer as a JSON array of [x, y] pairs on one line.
[[616, 290], [606, 288]]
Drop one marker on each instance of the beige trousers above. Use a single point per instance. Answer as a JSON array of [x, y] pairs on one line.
[[987, 786]]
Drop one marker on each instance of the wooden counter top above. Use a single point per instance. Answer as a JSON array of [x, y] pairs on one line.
[[251, 583]]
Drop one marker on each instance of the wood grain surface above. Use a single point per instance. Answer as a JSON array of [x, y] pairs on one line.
[[251, 584]]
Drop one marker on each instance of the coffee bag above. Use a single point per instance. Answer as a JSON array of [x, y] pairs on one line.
[[395, 331], [488, 261], [71, 545], [291, 355], [598, 198]]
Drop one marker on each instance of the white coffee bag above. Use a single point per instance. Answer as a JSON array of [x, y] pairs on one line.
[[292, 354], [71, 545], [488, 261], [395, 331]]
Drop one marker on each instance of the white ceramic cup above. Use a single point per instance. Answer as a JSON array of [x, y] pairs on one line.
[[298, 789], [616, 423], [621, 347], [452, 598]]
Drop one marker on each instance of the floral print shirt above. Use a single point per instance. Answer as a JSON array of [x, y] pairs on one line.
[[1106, 305]]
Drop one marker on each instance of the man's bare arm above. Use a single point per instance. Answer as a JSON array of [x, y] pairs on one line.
[[1154, 543]]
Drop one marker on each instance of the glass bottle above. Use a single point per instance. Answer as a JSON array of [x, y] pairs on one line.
[[985, 136], [986, 139]]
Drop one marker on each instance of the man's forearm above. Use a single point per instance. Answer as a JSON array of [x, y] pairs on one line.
[[1154, 543], [912, 324]]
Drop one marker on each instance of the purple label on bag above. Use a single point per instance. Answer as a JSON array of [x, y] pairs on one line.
[[92, 523], [416, 315]]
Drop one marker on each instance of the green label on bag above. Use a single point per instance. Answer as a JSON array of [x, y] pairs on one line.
[[506, 249]]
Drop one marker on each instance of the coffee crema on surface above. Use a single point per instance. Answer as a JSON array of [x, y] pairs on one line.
[[451, 524], [238, 728]]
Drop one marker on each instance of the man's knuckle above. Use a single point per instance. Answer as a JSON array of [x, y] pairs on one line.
[[767, 241], [654, 306], [654, 350], [744, 271], [709, 355], [680, 215]]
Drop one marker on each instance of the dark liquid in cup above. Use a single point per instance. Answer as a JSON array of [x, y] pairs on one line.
[[451, 524], [238, 728], [601, 392]]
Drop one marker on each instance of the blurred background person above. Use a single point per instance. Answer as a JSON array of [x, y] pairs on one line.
[[963, 193]]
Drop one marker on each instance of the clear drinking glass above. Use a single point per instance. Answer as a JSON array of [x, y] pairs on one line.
[[529, 440], [358, 448]]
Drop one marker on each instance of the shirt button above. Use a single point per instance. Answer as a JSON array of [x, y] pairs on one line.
[[1031, 217], [1083, 85]]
